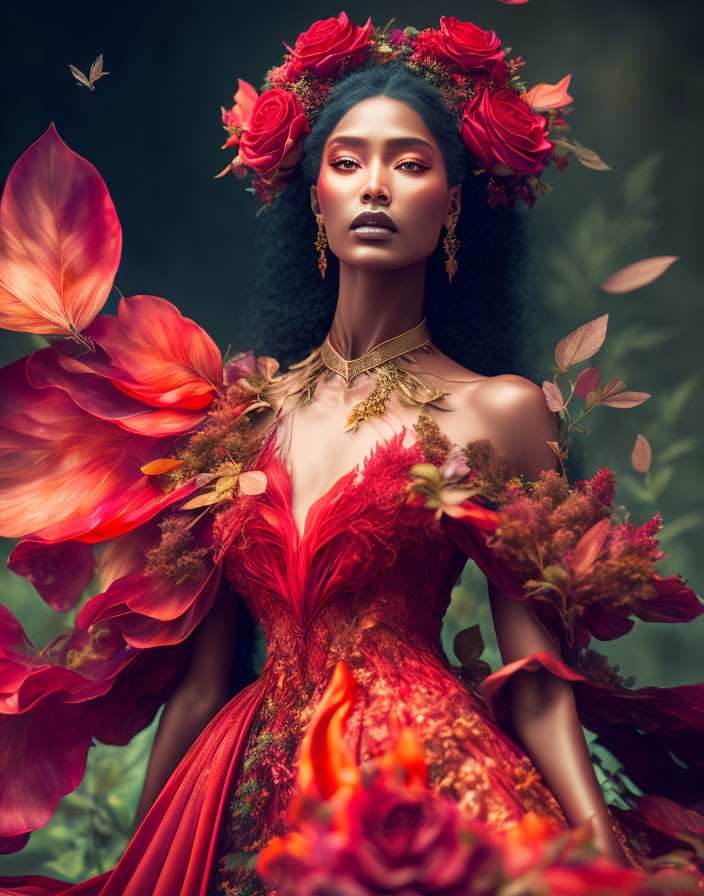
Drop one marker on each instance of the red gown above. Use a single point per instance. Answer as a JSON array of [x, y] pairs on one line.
[[368, 581]]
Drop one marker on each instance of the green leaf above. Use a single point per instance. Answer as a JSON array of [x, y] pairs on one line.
[[673, 407], [657, 481], [678, 526], [639, 183], [678, 448]]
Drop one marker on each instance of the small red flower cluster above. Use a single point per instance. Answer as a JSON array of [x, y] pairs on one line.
[[503, 126]]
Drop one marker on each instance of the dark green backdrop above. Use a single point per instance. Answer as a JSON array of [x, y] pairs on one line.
[[152, 128]]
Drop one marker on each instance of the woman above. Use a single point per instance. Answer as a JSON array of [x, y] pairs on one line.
[[296, 487]]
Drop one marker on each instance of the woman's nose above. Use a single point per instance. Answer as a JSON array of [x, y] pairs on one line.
[[375, 190]]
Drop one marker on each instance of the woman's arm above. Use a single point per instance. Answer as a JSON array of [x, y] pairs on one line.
[[544, 714], [541, 705], [199, 696]]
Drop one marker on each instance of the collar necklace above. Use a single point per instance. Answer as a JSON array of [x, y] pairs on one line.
[[385, 351]]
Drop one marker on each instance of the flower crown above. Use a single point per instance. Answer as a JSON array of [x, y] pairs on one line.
[[503, 125]]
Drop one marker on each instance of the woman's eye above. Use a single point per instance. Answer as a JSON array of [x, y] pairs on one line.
[[412, 165], [345, 164]]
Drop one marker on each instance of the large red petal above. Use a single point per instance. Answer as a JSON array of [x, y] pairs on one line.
[[48, 446], [157, 355], [60, 572], [60, 240]]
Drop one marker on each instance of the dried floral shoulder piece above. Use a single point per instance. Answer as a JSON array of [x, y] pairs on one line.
[[219, 456], [566, 542]]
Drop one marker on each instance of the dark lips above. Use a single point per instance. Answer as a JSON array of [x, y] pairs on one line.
[[373, 219]]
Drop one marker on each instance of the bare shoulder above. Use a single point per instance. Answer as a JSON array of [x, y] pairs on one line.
[[518, 421]]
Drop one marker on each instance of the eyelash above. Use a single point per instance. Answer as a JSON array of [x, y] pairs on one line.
[[420, 166]]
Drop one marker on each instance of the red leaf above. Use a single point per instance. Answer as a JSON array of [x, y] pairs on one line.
[[60, 241], [588, 547], [553, 396], [642, 454], [638, 274], [586, 382], [581, 343]]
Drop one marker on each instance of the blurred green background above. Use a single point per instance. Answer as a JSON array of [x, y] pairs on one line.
[[152, 128]]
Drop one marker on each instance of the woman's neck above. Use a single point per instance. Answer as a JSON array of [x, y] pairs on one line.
[[373, 306]]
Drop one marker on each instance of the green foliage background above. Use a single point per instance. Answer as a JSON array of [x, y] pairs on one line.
[[152, 129]]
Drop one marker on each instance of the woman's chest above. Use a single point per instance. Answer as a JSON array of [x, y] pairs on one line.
[[319, 450]]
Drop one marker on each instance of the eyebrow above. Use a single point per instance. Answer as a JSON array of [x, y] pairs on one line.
[[395, 142]]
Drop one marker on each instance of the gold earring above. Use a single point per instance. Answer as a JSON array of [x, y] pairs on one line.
[[451, 244], [321, 242]]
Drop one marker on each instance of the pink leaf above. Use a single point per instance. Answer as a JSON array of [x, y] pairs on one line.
[[586, 382], [588, 547], [267, 367], [553, 396], [614, 385], [252, 483], [638, 274], [625, 399], [60, 241], [240, 366], [582, 343], [642, 454], [549, 96]]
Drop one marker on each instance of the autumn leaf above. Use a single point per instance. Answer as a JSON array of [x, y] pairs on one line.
[[96, 71], [204, 500], [587, 157], [267, 367], [625, 399], [582, 343], [614, 395], [638, 274], [642, 454], [163, 465], [549, 96], [80, 77], [553, 396]]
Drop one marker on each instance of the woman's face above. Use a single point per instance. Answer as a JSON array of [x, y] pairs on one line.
[[382, 159]]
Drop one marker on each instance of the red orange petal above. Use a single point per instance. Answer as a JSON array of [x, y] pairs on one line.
[[60, 241]]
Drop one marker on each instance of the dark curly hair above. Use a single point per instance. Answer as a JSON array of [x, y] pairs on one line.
[[479, 319]]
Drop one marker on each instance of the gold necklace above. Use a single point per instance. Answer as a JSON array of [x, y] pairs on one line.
[[380, 354], [296, 387]]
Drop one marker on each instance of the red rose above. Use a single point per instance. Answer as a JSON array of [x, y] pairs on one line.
[[323, 48], [275, 129], [465, 45], [402, 838], [504, 133]]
